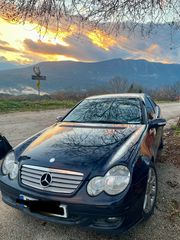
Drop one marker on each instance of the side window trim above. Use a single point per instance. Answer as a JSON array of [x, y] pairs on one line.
[[147, 102], [149, 108], [152, 104]]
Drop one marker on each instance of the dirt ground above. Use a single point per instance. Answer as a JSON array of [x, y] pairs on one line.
[[164, 224], [171, 151]]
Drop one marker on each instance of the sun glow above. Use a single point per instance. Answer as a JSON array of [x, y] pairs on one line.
[[12, 36], [101, 39], [29, 43]]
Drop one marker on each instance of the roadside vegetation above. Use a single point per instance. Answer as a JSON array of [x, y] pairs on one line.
[[14, 105], [170, 156], [9, 103], [176, 128], [171, 151]]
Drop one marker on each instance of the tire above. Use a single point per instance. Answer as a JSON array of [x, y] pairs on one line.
[[151, 193], [161, 145]]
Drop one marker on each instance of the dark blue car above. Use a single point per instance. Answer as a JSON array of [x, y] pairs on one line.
[[95, 167]]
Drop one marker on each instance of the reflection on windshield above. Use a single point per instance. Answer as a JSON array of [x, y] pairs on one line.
[[107, 110]]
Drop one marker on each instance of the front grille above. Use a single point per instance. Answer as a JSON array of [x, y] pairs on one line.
[[62, 181]]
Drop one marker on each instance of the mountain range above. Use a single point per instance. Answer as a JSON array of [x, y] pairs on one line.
[[4, 65], [69, 75]]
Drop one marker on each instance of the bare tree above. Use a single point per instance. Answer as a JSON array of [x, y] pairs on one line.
[[135, 88], [112, 14], [119, 85], [175, 89], [169, 92]]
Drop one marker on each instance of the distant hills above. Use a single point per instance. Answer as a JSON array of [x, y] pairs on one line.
[[4, 65], [67, 75]]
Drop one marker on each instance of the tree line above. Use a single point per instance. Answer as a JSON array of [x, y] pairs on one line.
[[121, 85], [115, 85], [167, 92]]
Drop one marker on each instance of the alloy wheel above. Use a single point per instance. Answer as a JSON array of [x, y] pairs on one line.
[[151, 190]]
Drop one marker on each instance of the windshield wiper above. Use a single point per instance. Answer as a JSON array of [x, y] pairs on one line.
[[73, 122], [107, 122]]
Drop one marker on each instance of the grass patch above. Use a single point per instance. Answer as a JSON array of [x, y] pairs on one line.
[[174, 210], [34, 105], [176, 129], [163, 101]]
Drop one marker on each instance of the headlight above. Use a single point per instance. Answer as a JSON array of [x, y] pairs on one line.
[[14, 172], [8, 163], [114, 182], [9, 166], [95, 186]]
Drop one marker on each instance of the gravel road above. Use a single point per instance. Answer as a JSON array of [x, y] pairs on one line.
[[18, 126], [170, 110], [15, 225]]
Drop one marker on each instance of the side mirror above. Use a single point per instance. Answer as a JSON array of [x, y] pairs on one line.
[[5, 147], [155, 123], [59, 118]]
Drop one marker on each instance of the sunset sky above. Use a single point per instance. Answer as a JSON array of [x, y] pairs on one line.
[[22, 44]]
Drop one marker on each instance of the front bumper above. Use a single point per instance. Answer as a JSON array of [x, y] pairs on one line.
[[116, 217]]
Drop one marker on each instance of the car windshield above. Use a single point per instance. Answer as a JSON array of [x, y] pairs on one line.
[[107, 110]]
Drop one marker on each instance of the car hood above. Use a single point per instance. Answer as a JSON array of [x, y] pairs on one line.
[[80, 147]]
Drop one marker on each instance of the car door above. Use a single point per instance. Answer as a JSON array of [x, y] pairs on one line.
[[157, 115], [153, 113]]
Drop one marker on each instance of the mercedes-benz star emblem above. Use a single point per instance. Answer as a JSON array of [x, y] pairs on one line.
[[46, 179]]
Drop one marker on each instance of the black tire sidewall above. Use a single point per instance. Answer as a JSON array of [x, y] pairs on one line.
[[161, 145]]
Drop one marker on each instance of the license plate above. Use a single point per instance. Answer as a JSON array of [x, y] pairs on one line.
[[25, 198], [43, 207]]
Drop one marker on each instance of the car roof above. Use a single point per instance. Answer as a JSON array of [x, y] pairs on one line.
[[120, 95]]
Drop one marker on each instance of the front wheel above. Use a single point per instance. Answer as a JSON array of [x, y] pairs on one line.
[[161, 145], [151, 192]]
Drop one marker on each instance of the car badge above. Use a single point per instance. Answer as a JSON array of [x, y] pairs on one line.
[[52, 160], [46, 180]]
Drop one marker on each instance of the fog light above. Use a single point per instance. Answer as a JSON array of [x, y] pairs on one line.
[[112, 220]]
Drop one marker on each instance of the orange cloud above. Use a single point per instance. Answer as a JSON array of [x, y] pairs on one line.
[[101, 39], [154, 48], [30, 43]]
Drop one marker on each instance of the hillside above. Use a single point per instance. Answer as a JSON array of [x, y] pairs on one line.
[[4, 65], [69, 75]]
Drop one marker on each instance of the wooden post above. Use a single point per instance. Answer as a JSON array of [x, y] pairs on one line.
[[38, 84]]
